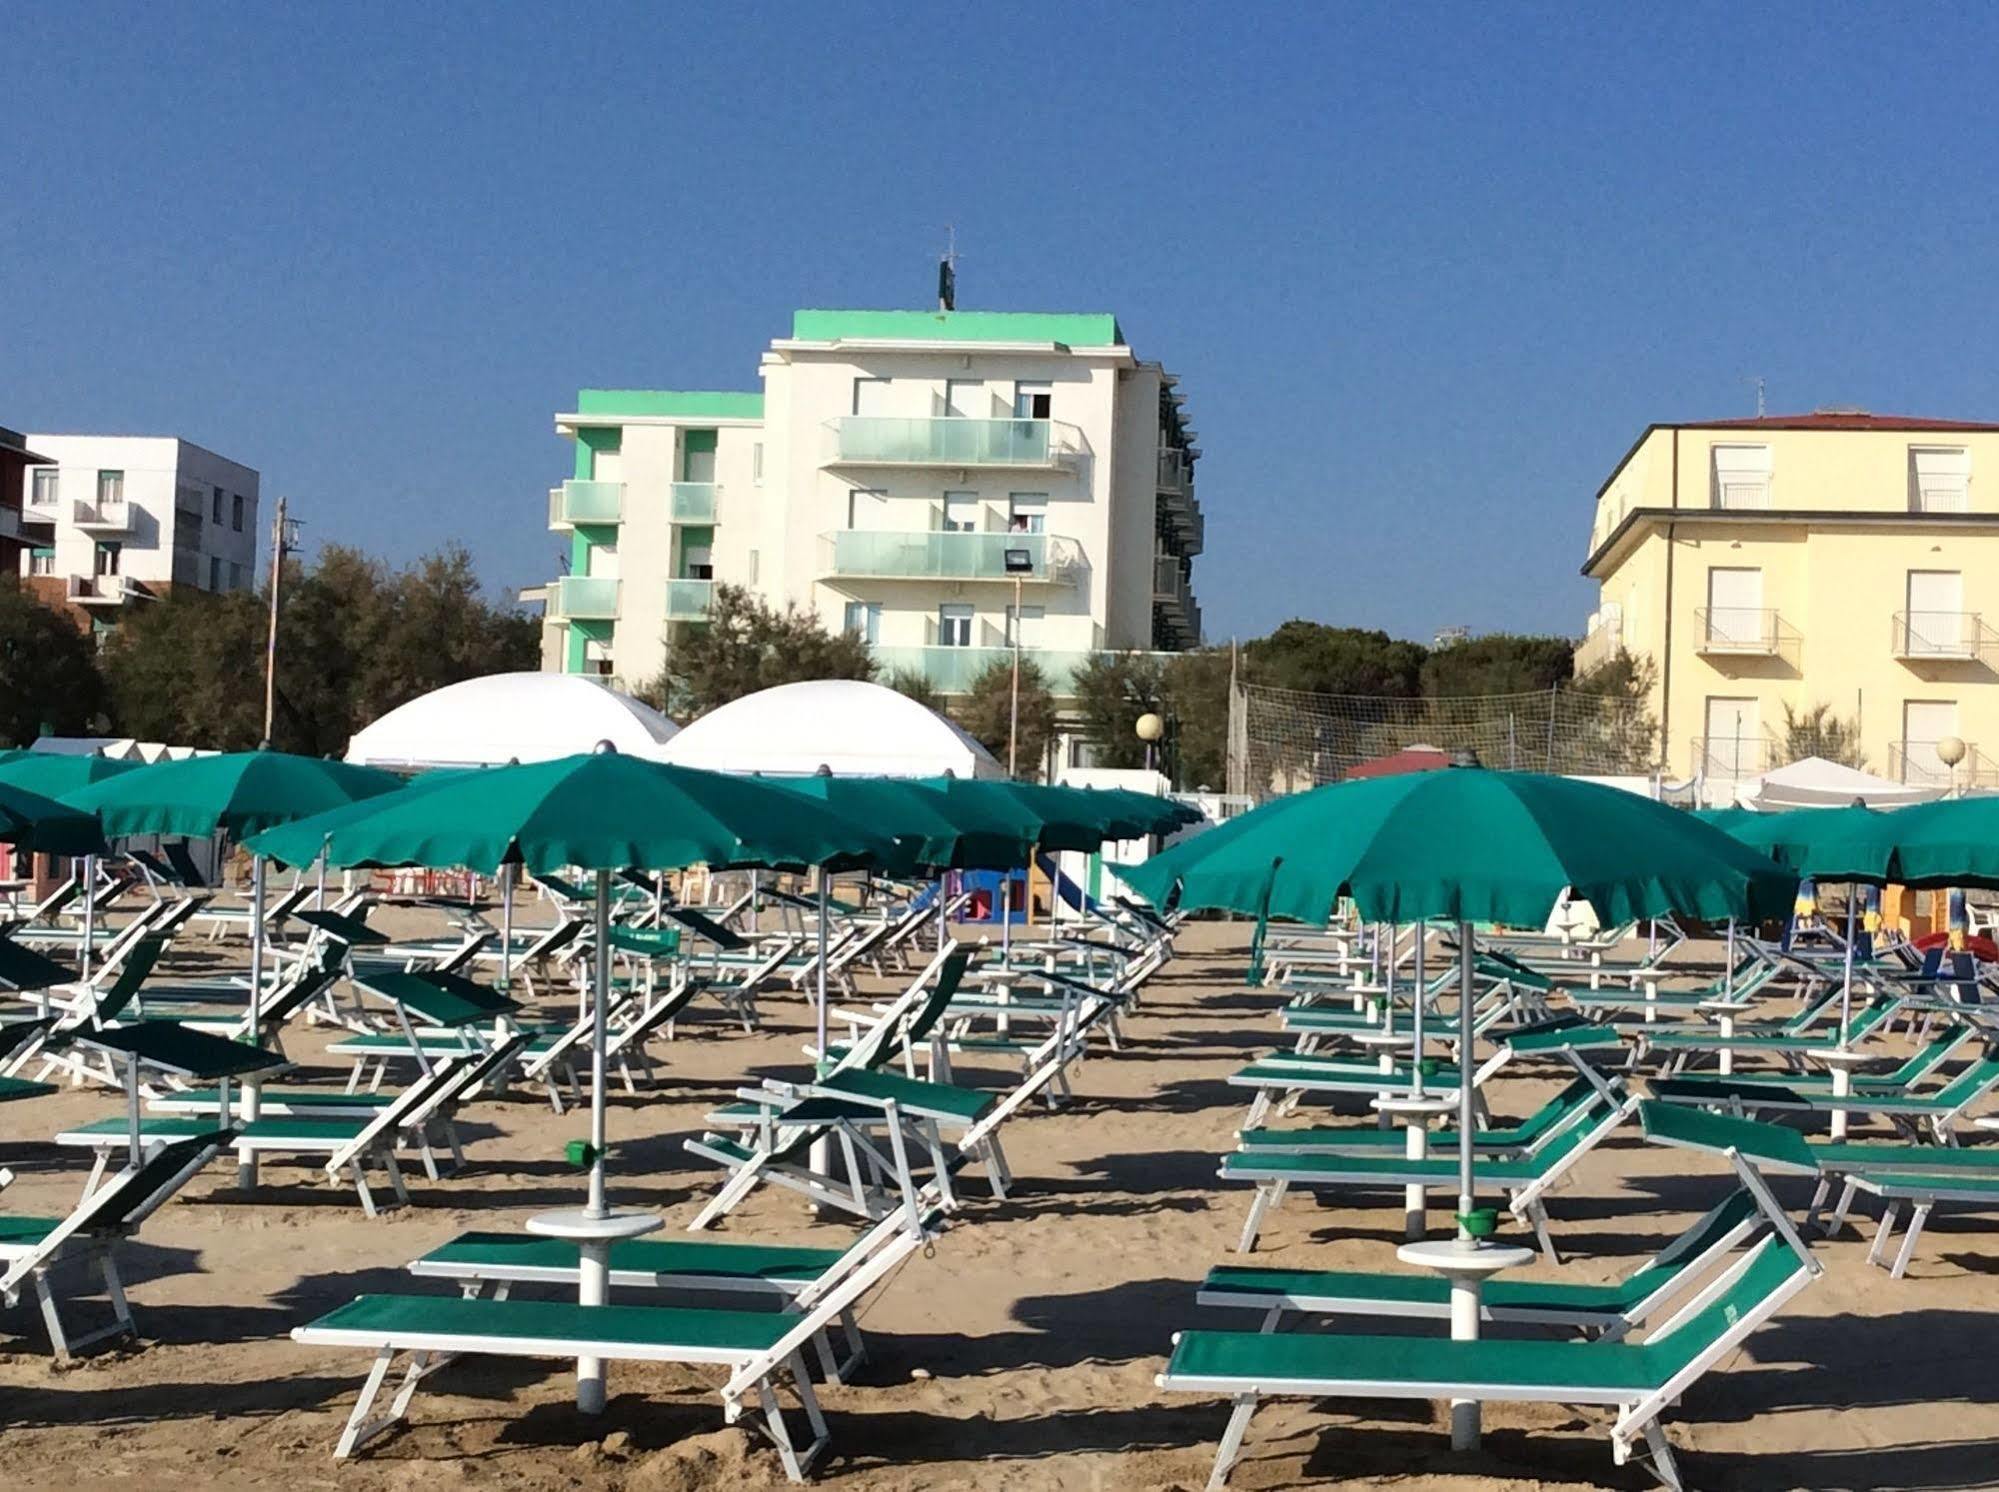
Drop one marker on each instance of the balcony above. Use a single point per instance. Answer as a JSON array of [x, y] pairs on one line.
[[692, 502], [689, 600], [39, 509], [953, 670], [1917, 764], [1176, 472], [936, 554], [102, 517], [1732, 758], [1741, 632], [102, 590], [583, 598], [1942, 637], [585, 502], [1174, 608], [951, 441], [1603, 643]]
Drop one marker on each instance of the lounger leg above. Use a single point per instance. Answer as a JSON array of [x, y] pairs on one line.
[[51, 1318], [1908, 1251], [1231, 1446], [1838, 1218], [780, 1433], [1664, 1467], [738, 1186], [360, 1170], [114, 1288], [395, 1177], [1268, 1195], [359, 1431], [1878, 1254], [1819, 1194]]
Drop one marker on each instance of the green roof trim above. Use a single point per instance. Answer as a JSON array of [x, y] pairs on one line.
[[1073, 330], [671, 403]]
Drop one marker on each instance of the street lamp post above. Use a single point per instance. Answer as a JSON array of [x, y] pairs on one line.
[[1950, 751], [1150, 728]]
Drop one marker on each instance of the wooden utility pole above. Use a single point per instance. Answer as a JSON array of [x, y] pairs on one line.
[[271, 639]]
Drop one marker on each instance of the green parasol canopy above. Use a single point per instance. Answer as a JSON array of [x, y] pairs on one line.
[[931, 833], [34, 822], [52, 774], [1470, 845], [236, 792], [1054, 818], [1949, 842], [1728, 820], [1827, 844], [601, 811]]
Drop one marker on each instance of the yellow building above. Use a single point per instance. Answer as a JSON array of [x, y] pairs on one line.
[[1779, 564]]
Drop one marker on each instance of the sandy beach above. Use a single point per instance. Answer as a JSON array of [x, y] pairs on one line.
[[1020, 1353]]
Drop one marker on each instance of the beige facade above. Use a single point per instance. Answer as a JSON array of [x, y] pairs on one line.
[[1837, 559], [912, 476]]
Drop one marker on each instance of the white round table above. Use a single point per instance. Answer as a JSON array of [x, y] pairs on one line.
[[593, 1237], [1415, 1113], [1466, 1265], [1842, 1060], [1726, 1011]]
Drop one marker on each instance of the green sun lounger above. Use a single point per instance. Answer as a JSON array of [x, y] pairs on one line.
[[1609, 1310], [1579, 1096], [1639, 1381], [1940, 1110]]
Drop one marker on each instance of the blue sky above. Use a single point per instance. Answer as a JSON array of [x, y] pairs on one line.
[[1426, 271]]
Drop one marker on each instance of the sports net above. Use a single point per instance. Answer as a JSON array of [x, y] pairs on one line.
[[1285, 740]]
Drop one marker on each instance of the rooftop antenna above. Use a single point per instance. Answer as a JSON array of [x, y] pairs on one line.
[[947, 271], [1759, 396]]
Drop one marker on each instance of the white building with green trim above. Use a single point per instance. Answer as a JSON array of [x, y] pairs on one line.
[[903, 474]]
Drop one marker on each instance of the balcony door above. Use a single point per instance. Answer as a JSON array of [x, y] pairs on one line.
[[871, 396], [867, 509], [965, 399], [954, 626], [961, 512], [1924, 723], [1936, 614], [1735, 608], [864, 620], [1732, 746], [1033, 401]]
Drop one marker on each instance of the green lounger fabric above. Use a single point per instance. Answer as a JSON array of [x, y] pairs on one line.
[[748, 1261], [12, 1088], [389, 1318], [25, 1232]]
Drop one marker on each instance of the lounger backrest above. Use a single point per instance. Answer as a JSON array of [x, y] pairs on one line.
[[128, 1197], [14, 1035], [876, 1044], [25, 969], [307, 980], [443, 1077], [1580, 1093], [555, 939], [1734, 1212], [1771, 1145], [133, 971], [949, 977], [1968, 1084], [183, 863], [707, 927], [1927, 1055], [1771, 1274], [650, 942]]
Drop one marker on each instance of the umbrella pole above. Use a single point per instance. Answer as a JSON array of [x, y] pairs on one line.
[[132, 1105], [507, 925], [319, 888], [1416, 1138], [941, 929], [246, 1161], [89, 916], [1006, 917], [822, 1148], [1727, 1063], [1465, 1199], [599, 1003]]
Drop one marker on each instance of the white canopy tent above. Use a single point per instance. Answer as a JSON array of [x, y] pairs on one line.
[[850, 727], [1815, 782], [526, 717]]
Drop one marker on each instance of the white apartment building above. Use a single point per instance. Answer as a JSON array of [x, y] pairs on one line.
[[115, 520], [905, 475]]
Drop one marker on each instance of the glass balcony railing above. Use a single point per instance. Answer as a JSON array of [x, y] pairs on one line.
[[689, 600], [692, 502], [887, 440], [586, 502], [936, 554], [954, 670], [585, 598]]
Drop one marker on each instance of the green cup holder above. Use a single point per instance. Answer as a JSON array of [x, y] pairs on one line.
[[1480, 1223], [1429, 1067]]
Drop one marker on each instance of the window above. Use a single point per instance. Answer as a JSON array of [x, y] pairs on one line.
[[1027, 512], [1741, 477], [41, 562], [965, 399], [235, 576], [44, 493], [1939, 479], [214, 573], [753, 567], [871, 396], [961, 512], [107, 558], [864, 620], [757, 463], [216, 515], [1033, 401], [111, 487], [236, 512], [1027, 623], [954, 626], [697, 562]]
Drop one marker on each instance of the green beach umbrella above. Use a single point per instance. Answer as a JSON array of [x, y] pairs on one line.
[[1470, 845], [237, 792], [1728, 820], [603, 812], [34, 821], [53, 773], [1948, 842], [1854, 844], [934, 833]]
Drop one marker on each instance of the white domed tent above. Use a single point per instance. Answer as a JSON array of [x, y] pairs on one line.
[[527, 717], [853, 728]]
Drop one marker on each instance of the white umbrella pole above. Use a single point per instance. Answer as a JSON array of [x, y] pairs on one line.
[[319, 889], [599, 1004], [90, 919], [1422, 931], [132, 1105], [1006, 916], [822, 1148], [507, 925], [1464, 1079], [941, 929], [1846, 985], [246, 1162]]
